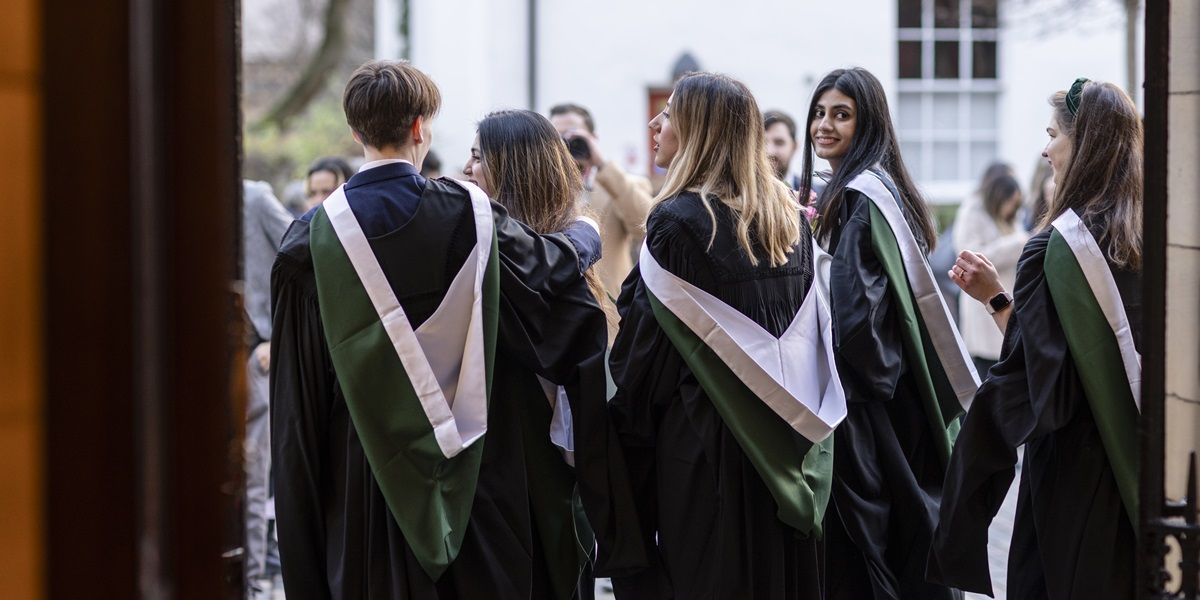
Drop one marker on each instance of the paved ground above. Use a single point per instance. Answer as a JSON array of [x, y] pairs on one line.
[[603, 591]]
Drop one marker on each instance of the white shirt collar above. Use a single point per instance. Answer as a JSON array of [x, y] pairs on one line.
[[381, 162]]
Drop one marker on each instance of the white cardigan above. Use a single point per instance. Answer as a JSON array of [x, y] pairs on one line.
[[976, 231]]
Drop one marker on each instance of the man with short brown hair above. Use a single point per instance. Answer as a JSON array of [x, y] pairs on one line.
[[408, 313], [779, 131], [620, 200], [384, 98]]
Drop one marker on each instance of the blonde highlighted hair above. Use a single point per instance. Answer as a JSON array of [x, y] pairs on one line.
[[721, 154], [535, 178]]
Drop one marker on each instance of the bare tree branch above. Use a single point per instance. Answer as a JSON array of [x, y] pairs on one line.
[[316, 72], [1034, 19]]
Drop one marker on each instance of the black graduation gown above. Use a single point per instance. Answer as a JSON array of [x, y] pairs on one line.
[[1072, 539], [699, 496], [337, 536], [887, 477]]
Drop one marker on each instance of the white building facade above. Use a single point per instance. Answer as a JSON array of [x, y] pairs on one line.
[[967, 80]]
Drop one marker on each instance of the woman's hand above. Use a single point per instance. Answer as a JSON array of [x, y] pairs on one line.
[[262, 354], [974, 273]]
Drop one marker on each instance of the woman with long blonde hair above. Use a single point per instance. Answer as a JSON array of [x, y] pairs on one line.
[[1067, 384], [725, 398]]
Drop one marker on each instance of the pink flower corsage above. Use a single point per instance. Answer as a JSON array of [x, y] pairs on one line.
[[810, 212]]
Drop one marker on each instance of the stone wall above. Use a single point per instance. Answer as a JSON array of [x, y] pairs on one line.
[[1183, 245]]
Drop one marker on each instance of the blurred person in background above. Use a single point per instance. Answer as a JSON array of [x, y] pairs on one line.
[[779, 129], [293, 197], [324, 176], [264, 220], [619, 200], [987, 223], [943, 255], [1041, 194], [432, 167]]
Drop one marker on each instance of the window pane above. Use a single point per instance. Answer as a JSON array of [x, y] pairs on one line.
[[914, 159], [945, 60], [983, 60], [945, 112], [983, 14], [910, 13], [983, 112], [945, 13], [945, 161], [982, 155], [910, 60], [908, 112]]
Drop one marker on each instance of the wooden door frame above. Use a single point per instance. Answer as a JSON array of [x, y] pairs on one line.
[[142, 196]]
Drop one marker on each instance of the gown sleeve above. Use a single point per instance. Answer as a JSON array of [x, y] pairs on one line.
[[302, 390], [541, 290], [1017, 402], [648, 372], [869, 348], [585, 238]]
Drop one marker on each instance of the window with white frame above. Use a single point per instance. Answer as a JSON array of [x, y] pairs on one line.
[[947, 93]]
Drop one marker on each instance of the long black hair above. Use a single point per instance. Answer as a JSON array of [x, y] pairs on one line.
[[874, 143]]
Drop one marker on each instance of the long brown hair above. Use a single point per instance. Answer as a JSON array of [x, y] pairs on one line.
[[534, 177], [1103, 180], [722, 154]]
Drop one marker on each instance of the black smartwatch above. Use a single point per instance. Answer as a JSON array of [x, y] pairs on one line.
[[998, 303]]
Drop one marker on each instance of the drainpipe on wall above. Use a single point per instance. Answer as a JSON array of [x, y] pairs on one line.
[[532, 48]]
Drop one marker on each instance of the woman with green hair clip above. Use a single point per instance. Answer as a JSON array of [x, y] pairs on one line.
[[1068, 381]]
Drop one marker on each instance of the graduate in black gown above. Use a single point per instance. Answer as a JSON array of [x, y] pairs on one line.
[[373, 501], [903, 385], [519, 160], [724, 503], [1066, 385]]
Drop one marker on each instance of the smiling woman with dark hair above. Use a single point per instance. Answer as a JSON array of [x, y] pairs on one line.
[[898, 352]]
